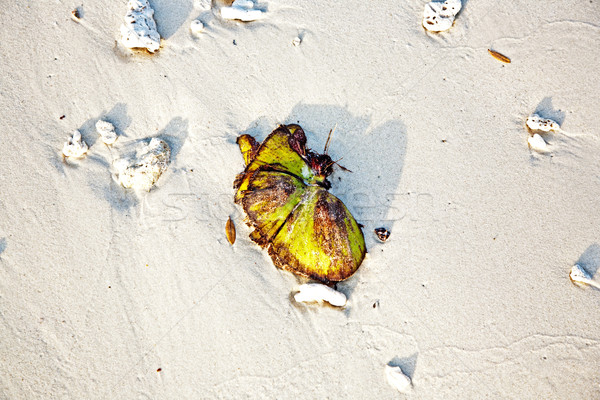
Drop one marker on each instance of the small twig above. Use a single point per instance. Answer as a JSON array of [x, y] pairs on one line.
[[329, 137], [498, 56]]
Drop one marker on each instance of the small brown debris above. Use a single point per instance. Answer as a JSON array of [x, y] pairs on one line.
[[230, 231], [382, 234], [62, 117], [499, 56], [159, 369], [76, 15]]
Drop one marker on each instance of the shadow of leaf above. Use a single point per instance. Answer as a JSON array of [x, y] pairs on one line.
[[375, 155]]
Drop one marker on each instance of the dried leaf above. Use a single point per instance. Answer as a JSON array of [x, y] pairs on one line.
[[283, 191], [230, 231], [499, 56]]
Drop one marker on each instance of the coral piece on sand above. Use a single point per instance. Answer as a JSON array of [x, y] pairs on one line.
[[397, 379], [196, 26], [580, 277], [242, 10], [537, 143], [537, 123], [106, 131], [139, 29], [142, 172], [317, 292], [438, 17], [75, 147]]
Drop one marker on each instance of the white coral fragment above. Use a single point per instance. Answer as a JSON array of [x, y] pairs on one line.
[[106, 131], [397, 379], [317, 292], [537, 143], [75, 147], [242, 10], [537, 123], [580, 277], [196, 26], [438, 17], [139, 29], [143, 171]]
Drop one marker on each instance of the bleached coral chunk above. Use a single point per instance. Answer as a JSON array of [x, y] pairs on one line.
[[106, 131], [75, 147], [242, 10], [397, 379], [537, 123], [438, 17], [317, 292], [142, 172], [580, 277], [196, 26], [537, 143], [139, 28]]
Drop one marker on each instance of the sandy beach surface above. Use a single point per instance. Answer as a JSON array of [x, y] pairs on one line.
[[109, 294]]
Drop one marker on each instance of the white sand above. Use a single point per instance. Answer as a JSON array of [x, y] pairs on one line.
[[99, 288]]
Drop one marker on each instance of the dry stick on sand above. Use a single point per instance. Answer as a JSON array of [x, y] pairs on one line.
[[499, 56]]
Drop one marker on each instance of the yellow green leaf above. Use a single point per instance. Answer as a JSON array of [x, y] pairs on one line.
[[320, 239], [306, 229]]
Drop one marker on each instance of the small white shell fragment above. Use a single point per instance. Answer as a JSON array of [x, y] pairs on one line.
[[142, 172], [537, 123], [580, 277], [317, 292], [397, 379], [296, 41], [139, 29], [75, 147], [438, 17], [537, 143], [106, 131], [197, 26], [242, 10]]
